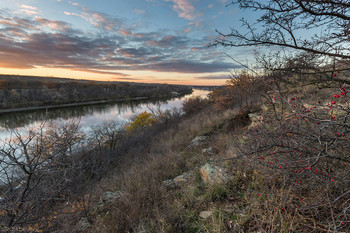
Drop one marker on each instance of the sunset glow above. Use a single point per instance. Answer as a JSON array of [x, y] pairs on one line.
[[157, 41]]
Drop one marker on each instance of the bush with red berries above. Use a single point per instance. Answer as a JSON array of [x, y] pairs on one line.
[[304, 148]]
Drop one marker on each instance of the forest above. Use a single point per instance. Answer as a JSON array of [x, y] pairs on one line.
[[24, 91]]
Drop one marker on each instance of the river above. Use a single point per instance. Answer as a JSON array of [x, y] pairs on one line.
[[89, 115]]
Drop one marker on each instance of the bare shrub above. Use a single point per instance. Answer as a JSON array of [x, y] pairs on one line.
[[194, 104], [45, 176], [243, 91], [106, 135], [304, 148]]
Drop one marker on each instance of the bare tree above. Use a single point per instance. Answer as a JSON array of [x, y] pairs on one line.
[[301, 141], [35, 169], [283, 22], [107, 135]]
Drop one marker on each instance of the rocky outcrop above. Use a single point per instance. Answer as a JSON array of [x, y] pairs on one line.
[[110, 197], [179, 181], [213, 174], [210, 151], [107, 199], [255, 119], [205, 214], [83, 225], [199, 141]]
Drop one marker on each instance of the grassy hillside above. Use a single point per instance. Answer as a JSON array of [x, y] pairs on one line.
[[285, 163], [271, 157]]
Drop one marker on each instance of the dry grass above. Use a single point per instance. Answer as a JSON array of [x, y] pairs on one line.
[[252, 201], [148, 204]]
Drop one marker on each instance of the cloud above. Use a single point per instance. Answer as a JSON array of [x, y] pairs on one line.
[[137, 52], [195, 49], [73, 3], [184, 66], [14, 32], [168, 42], [54, 25], [18, 22], [137, 36], [195, 24], [41, 42], [213, 77], [64, 48], [104, 72], [127, 79], [29, 10], [210, 5], [125, 32], [97, 19], [29, 7], [139, 11], [185, 9]]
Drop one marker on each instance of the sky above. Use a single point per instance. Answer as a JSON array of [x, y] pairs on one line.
[[153, 41]]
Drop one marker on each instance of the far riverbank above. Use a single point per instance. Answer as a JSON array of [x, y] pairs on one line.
[[24, 109]]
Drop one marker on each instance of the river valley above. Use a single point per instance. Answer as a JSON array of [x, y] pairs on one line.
[[89, 115]]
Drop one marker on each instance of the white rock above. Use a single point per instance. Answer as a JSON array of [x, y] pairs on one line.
[[205, 214], [199, 141], [212, 174]]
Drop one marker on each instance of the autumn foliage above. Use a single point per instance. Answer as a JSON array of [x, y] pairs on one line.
[[141, 121]]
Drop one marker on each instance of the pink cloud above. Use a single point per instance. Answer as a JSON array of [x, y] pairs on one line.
[[54, 25], [196, 24], [16, 22], [29, 10], [29, 7], [8, 23], [185, 9], [96, 19], [127, 32]]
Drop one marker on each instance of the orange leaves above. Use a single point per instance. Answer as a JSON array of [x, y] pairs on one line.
[[3, 212]]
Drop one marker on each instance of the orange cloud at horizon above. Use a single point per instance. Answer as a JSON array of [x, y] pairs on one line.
[[123, 76]]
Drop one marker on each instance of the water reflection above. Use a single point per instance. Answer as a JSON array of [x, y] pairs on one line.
[[89, 115], [21, 119]]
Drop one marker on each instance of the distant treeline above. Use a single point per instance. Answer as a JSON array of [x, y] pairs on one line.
[[26, 91]]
